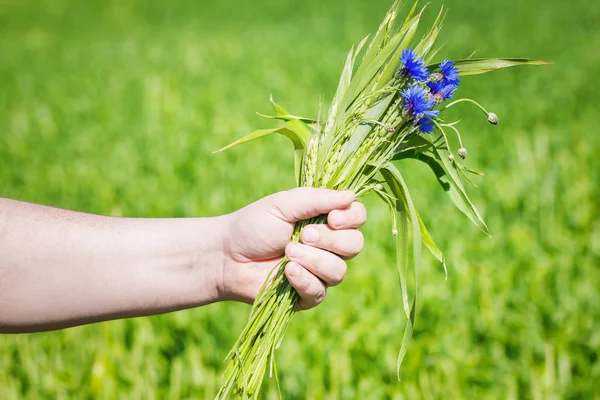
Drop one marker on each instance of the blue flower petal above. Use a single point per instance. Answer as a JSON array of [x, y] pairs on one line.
[[414, 65], [417, 101]]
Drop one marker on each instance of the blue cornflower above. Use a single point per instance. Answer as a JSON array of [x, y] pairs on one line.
[[425, 123], [414, 65], [444, 87], [442, 90], [417, 101], [449, 73]]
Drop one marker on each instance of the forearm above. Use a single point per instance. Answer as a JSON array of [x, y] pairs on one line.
[[60, 268]]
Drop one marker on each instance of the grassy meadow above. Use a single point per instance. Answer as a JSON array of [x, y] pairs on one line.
[[114, 107]]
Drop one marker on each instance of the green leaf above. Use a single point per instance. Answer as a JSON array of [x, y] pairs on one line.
[[367, 72], [297, 140], [340, 92], [402, 248], [296, 125], [380, 36], [412, 12], [394, 179], [425, 45], [435, 153], [288, 117], [430, 243], [359, 48], [407, 32], [362, 130], [477, 66]]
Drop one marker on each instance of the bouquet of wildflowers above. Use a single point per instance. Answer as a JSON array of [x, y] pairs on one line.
[[388, 107]]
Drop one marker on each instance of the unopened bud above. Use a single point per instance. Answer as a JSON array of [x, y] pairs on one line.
[[390, 128], [492, 118], [451, 157], [395, 232], [436, 77], [379, 186], [439, 99], [462, 152]]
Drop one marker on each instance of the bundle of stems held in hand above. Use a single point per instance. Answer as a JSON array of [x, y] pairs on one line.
[[387, 107]]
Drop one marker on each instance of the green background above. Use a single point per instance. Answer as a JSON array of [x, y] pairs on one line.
[[114, 107]]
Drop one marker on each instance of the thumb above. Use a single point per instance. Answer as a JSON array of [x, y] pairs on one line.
[[305, 202]]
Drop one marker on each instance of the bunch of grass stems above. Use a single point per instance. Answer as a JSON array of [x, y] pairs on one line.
[[367, 126], [333, 159], [254, 351]]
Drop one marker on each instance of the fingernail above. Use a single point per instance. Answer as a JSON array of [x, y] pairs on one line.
[[293, 270], [294, 250], [310, 235]]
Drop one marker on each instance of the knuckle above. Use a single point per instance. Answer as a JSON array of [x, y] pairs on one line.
[[330, 236], [303, 283], [339, 274], [314, 258], [319, 296], [301, 192]]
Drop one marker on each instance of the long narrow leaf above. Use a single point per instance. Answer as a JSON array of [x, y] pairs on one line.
[[430, 244], [297, 140], [391, 174], [475, 66], [451, 184], [407, 32], [288, 117], [297, 126], [361, 131]]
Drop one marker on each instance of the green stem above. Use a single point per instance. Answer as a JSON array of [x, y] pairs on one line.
[[271, 314], [469, 101]]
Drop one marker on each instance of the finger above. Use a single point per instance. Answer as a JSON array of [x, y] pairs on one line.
[[352, 217], [325, 265], [311, 290], [346, 243], [303, 203]]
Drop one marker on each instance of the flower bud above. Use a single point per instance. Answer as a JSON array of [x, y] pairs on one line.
[[395, 232], [390, 128], [462, 152], [436, 77], [451, 157], [492, 118], [379, 186]]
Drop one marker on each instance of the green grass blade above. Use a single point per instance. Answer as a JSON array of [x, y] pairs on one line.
[[430, 244], [362, 131], [380, 36], [407, 32], [391, 174], [289, 117], [477, 66], [448, 178], [425, 45], [345, 80], [401, 239], [297, 140], [368, 72], [297, 126]]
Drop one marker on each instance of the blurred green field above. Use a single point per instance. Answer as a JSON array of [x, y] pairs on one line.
[[114, 107]]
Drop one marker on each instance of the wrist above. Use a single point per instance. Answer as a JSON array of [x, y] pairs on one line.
[[233, 268], [187, 258], [210, 259]]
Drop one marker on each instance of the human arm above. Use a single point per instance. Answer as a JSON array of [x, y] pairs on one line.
[[61, 268]]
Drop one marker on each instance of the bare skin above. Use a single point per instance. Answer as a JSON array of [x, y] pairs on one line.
[[60, 268]]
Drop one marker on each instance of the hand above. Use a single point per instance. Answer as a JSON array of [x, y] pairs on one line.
[[259, 234]]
